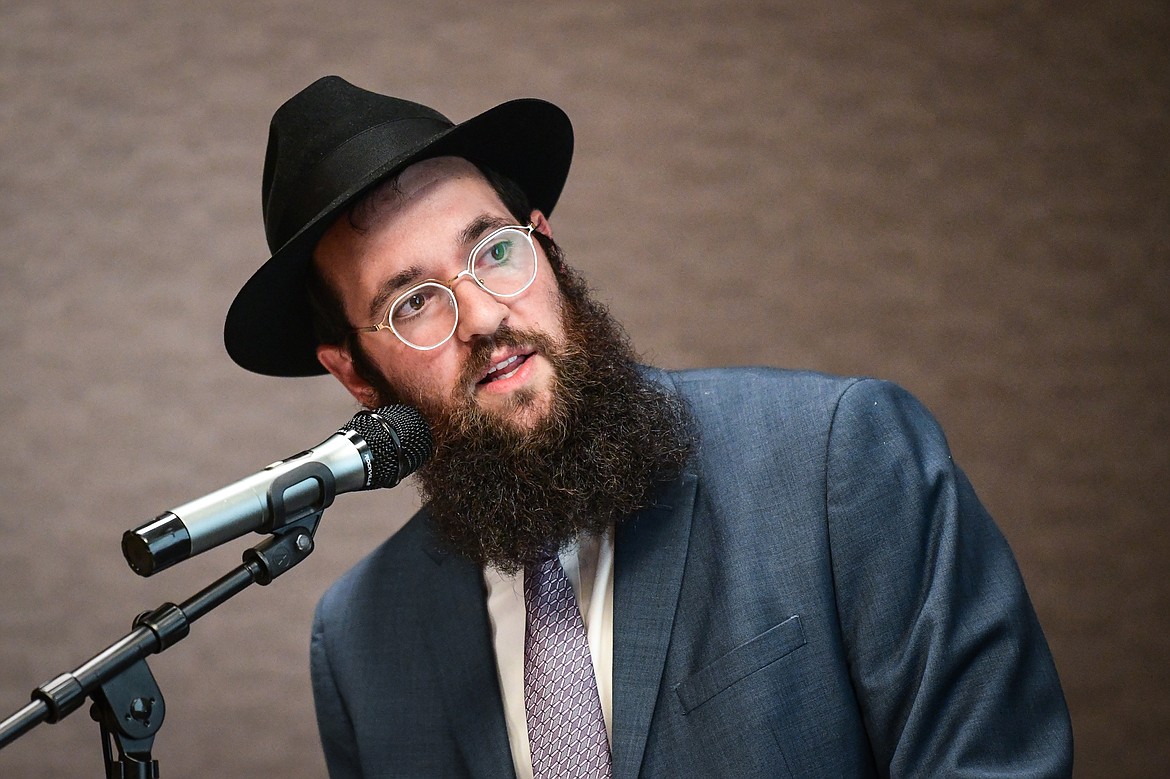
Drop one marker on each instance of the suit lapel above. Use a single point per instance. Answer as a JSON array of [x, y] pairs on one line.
[[458, 636], [650, 552]]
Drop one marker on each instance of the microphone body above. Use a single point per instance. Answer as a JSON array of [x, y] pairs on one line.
[[376, 449]]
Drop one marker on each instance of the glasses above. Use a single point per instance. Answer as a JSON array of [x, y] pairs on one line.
[[424, 317]]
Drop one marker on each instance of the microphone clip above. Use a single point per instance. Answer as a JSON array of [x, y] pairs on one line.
[[290, 502], [285, 548]]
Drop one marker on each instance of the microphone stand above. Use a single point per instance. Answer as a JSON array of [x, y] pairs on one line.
[[127, 701]]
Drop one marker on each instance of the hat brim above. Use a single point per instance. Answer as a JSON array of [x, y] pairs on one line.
[[269, 328]]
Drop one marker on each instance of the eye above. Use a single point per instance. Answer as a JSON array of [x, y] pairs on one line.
[[495, 254], [414, 304]]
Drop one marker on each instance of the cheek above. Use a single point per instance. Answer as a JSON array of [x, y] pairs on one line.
[[545, 309], [422, 376]]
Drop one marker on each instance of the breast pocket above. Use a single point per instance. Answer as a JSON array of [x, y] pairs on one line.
[[739, 663]]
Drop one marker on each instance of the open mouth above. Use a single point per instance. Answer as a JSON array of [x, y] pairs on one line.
[[505, 368]]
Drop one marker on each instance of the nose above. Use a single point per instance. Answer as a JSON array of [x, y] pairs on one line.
[[480, 313]]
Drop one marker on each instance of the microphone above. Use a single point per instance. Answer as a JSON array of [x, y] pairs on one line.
[[376, 449]]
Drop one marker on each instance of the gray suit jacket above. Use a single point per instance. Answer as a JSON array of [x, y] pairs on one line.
[[819, 594]]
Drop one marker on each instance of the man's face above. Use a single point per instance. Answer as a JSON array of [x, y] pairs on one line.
[[544, 427], [425, 231]]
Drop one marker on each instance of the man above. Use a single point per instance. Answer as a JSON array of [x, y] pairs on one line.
[[772, 573]]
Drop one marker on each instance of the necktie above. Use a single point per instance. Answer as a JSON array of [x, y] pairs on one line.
[[566, 729]]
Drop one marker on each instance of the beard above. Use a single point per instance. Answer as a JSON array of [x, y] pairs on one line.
[[505, 495]]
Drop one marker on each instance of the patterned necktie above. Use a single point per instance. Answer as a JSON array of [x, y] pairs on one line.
[[566, 729]]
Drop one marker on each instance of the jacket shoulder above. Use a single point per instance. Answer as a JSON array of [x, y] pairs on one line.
[[731, 405], [391, 568], [736, 384]]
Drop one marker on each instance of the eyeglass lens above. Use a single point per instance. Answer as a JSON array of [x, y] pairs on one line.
[[503, 264]]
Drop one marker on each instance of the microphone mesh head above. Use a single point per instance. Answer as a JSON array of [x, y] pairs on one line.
[[399, 440]]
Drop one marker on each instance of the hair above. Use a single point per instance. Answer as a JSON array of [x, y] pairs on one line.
[[330, 324]]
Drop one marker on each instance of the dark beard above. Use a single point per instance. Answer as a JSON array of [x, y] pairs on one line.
[[502, 496]]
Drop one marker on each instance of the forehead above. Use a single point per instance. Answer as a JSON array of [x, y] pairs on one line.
[[431, 200], [425, 183], [417, 178], [419, 226]]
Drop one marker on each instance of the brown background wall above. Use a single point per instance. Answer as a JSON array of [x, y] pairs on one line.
[[970, 198]]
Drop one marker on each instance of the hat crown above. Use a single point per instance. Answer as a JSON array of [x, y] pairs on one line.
[[319, 135]]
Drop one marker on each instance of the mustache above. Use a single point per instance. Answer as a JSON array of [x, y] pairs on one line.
[[480, 357]]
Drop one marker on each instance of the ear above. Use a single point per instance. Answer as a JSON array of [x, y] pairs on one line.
[[540, 222], [339, 363]]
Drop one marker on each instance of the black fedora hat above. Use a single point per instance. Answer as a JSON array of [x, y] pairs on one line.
[[332, 142]]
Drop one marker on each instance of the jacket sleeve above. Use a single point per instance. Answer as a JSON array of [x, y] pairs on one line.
[[951, 668], [333, 720]]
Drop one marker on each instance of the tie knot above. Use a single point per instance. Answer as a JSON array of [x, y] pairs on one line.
[[542, 564], [543, 575], [545, 557]]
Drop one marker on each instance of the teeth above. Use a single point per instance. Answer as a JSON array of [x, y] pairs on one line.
[[500, 366], [496, 371]]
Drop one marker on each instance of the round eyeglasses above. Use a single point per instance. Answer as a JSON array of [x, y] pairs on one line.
[[424, 317]]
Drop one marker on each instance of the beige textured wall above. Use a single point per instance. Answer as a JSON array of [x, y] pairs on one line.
[[970, 198]]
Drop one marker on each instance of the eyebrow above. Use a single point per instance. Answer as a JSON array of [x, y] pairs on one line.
[[390, 287], [467, 237], [480, 225]]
